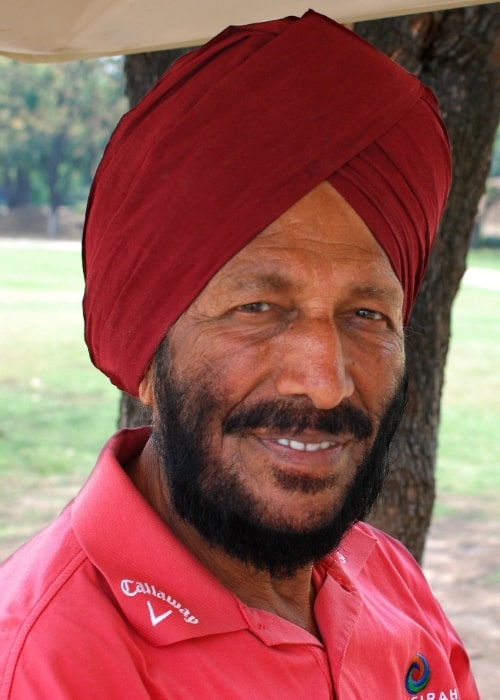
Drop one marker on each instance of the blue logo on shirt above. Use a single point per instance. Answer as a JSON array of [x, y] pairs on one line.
[[418, 675]]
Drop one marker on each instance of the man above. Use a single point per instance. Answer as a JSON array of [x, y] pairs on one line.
[[256, 234]]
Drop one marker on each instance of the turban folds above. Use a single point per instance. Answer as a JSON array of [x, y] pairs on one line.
[[229, 138]]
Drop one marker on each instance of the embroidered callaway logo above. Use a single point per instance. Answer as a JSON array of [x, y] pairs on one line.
[[156, 619], [418, 675], [133, 588]]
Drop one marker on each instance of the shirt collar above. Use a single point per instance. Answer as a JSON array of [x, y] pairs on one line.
[[162, 589]]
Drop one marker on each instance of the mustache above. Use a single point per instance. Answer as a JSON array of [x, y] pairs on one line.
[[295, 418]]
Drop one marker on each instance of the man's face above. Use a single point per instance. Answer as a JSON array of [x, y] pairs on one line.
[[275, 382]]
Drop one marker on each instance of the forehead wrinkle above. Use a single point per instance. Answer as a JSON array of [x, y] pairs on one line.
[[274, 267], [279, 282]]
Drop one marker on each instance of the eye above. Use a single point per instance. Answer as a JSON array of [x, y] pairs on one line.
[[370, 315], [255, 307]]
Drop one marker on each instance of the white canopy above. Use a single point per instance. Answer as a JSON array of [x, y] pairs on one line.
[[57, 30]]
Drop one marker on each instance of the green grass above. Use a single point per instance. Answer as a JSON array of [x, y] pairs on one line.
[[57, 409], [469, 452], [484, 257]]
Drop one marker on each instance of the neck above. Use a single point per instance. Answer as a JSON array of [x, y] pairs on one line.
[[291, 598]]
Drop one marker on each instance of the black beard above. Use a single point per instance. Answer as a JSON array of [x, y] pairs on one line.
[[216, 504]]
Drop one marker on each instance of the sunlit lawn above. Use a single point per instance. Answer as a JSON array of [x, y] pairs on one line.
[[57, 409], [469, 456]]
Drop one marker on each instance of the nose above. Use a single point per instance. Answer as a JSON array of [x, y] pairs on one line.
[[313, 363]]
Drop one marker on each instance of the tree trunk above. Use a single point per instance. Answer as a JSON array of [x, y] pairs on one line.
[[143, 70], [17, 188], [52, 223], [456, 54]]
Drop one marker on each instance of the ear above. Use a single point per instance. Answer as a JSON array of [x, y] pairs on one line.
[[146, 388]]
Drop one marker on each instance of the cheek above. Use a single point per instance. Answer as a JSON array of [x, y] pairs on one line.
[[233, 364], [377, 373], [383, 351]]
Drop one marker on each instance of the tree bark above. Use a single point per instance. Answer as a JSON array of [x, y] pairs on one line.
[[456, 53], [143, 70]]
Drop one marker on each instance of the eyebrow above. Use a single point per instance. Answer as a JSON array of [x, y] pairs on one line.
[[372, 291], [274, 282], [271, 282]]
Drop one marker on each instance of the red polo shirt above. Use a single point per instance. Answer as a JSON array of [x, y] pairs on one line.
[[107, 603]]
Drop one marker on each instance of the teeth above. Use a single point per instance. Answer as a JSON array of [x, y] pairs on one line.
[[305, 446]]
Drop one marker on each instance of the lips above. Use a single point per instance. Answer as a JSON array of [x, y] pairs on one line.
[[308, 451]]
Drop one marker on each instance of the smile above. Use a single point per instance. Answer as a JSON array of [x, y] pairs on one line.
[[306, 446]]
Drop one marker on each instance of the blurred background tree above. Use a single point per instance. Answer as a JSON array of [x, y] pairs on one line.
[[55, 120]]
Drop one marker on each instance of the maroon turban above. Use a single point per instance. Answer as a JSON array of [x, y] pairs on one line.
[[230, 137]]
